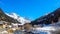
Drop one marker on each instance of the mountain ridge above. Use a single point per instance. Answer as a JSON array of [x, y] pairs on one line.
[[47, 19], [4, 17], [22, 20]]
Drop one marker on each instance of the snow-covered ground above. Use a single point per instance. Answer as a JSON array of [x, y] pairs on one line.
[[50, 29], [22, 20]]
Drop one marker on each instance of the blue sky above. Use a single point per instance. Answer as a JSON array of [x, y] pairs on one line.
[[29, 8]]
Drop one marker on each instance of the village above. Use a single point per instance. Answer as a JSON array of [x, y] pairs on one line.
[[10, 28]]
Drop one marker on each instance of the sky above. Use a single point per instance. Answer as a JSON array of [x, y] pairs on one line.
[[31, 9]]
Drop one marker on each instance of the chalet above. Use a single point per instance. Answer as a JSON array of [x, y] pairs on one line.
[[1, 24]]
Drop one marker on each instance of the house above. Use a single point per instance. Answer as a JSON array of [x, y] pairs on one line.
[[1, 24]]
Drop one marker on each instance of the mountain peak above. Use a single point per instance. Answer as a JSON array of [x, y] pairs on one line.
[[4, 17], [22, 20], [47, 19]]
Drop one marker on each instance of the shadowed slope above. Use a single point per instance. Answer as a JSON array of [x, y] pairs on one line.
[[4, 17], [47, 19]]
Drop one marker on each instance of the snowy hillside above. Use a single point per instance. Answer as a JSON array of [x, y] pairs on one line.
[[18, 18]]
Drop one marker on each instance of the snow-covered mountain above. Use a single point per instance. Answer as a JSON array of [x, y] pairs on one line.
[[22, 20]]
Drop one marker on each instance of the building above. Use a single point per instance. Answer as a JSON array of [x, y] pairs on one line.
[[1, 24]]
